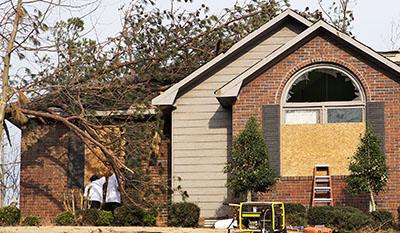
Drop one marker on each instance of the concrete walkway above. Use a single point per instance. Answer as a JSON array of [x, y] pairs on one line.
[[90, 229]]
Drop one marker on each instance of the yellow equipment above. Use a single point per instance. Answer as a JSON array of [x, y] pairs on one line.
[[263, 217]]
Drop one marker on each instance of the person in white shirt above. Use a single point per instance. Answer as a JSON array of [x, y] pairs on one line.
[[94, 191], [113, 196]]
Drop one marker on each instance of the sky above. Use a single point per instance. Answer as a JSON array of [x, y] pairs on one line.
[[372, 24]]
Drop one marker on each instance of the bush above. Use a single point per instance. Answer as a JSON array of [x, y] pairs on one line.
[[87, 217], [64, 219], [105, 218], [295, 214], [31, 220], [382, 220], [341, 217], [129, 216], [10, 215], [150, 218], [184, 214], [318, 215]]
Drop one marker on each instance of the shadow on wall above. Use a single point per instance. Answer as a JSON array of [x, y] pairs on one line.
[[222, 118], [360, 201], [44, 169], [225, 211]]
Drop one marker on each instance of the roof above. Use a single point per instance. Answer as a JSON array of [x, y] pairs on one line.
[[169, 96], [392, 55], [232, 88], [227, 93]]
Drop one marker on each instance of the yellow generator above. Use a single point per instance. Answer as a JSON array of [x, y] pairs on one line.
[[264, 217]]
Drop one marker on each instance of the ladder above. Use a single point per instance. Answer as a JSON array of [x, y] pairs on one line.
[[322, 187]]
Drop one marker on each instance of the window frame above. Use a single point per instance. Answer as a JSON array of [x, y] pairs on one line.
[[325, 105]]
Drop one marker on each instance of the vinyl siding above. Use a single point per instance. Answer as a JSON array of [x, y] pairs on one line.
[[202, 129]]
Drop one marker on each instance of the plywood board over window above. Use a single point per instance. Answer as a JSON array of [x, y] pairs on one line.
[[304, 145], [93, 165]]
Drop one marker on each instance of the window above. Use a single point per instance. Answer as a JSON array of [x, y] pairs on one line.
[[323, 94]]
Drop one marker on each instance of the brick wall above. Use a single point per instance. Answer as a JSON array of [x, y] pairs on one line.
[[44, 166], [163, 178], [379, 86], [44, 169], [299, 190]]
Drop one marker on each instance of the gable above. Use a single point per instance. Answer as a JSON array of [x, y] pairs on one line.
[[252, 48], [231, 89]]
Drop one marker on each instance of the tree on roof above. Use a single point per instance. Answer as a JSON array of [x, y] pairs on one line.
[[91, 85]]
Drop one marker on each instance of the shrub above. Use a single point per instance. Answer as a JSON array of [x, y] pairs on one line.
[[64, 219], [295, 214], [317, 215], [398, 214], [341, 217], [150, 218], [105, 218], [349, 219], [128, 216], [10, 215], [184, 214], [87, 217], [382, 220], [31, 220]]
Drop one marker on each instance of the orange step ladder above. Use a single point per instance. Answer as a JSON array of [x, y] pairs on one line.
[[322, 187]]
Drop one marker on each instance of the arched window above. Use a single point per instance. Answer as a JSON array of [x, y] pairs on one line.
[[323, 94]]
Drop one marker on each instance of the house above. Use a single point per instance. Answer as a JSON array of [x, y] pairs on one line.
[[55, 161], [312, 87]]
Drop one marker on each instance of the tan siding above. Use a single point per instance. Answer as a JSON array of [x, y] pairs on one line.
[[204, 108], [199, 116], [203, 183], [200, 123], [202, 130], [201, 161], [200, 176], [209, 85], [211, 191], [198, 101], [201, 145], [206, 198], [205, 153], [198, 168]]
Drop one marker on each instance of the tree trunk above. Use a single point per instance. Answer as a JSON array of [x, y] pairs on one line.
[[372, 205], [2, 176], [6, 92], [248, 197]]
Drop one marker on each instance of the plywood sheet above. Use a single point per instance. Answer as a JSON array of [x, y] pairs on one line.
[[93, 165], [304, 146]]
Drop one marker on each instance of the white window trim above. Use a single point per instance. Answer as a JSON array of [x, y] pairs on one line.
[[322, 106]]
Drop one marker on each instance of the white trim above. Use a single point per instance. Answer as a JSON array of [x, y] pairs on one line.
[[298, 74], [230, 90], [322, 107], [172, 154], [169, 96], [128, 112]]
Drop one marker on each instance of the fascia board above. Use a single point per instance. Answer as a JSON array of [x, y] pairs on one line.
[[363, 48], [169, 96], [232, 88], [166, 98], [224, 90], [268, 26]]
